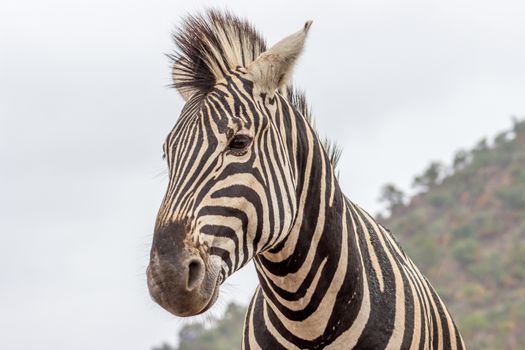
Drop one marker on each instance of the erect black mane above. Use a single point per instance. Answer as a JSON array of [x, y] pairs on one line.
[[210, 45]]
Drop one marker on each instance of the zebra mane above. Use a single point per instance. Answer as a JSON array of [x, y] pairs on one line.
[[210, 45], [298, 99]]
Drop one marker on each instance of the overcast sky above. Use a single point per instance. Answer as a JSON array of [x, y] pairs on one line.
[[84, 110]]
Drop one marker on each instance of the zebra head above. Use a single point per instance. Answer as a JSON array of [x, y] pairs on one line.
[[231, 192]]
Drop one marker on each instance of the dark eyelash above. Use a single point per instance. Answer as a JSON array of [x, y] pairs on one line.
[[239, 142]]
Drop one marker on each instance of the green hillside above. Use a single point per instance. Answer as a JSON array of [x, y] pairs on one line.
[[465, 229], [466, 232]]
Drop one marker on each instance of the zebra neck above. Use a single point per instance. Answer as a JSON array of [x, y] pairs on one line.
[[317, 267]]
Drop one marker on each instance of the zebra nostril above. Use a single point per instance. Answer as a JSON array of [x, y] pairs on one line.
[[195, 273]]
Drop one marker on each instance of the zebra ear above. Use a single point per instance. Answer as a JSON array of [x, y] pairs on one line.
[[272, 69]]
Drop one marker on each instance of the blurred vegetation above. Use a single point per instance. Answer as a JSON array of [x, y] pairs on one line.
[[392, 196], [217, 334], [465, 229]]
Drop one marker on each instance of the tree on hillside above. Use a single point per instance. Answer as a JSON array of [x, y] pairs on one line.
[[430, 177], [501, 139], [481, 147], [392, 196], [519, 129], [460, 160], [518, 126]]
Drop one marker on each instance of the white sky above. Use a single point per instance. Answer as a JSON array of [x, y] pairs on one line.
[[84, 110]]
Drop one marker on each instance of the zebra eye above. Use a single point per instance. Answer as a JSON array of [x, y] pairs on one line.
[[239, 142]]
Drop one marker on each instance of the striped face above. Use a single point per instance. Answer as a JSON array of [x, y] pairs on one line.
[[230, 196]]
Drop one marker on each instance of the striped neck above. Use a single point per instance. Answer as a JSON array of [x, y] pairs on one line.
[[315, 267], [338, 279]]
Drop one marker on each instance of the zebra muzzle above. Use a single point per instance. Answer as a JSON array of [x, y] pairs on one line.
[[184, 288]]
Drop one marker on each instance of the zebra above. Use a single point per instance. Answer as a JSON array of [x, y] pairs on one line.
[[249, 179]]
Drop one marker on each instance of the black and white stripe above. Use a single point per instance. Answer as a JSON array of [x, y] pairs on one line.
[[330, 276]]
